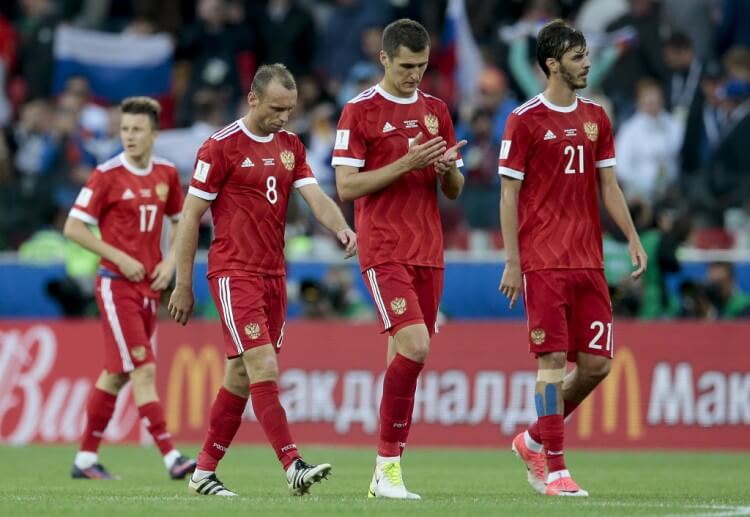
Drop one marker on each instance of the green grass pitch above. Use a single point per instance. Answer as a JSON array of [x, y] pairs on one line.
[[36, 481]]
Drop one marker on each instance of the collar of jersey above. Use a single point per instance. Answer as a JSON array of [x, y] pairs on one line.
[[253, 136], [393, 98], [555, 107], [136, 170]]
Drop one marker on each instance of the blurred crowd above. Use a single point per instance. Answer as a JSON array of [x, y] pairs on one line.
[[674, 76]]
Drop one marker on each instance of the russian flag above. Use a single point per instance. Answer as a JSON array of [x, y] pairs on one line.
[[116, 65], [458, 40]]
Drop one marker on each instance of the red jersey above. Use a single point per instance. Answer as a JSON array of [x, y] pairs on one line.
[[400, 223], [556, 151], [248, 179], [129, 204]]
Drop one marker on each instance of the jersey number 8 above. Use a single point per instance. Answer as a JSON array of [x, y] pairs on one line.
[[271, 193]]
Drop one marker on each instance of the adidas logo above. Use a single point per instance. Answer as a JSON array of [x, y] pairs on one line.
[[247, 163], [387, 128], [549, 135], [128, 194]]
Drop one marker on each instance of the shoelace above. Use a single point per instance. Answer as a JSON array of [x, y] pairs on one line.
[[393, 472], [537, 466]]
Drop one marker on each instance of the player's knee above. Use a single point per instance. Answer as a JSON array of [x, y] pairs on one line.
[[111, 382], [144, 376], [597, 370], [416, 349], [236, 379], [261, 364], [552, 360]]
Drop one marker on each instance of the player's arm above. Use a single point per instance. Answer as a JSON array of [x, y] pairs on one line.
[[510, 285], [78, 231], [162, 273], [330, 216], [614, 202], [352, 185], [446, 168], [185, 244]]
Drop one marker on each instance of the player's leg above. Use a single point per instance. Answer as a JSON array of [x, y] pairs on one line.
[[117, 304], [235, 300], [151, 412], [392, 288], [224, 422], [263, 368], [389, 357], [99, 409], [546, 296]]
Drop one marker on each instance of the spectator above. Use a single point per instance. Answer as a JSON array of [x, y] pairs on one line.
[[209, 48], [734, 26], [695, 17], [286, 34], [642, 59], [36, 32], [723, 292], [482, 189], [730, 167], [181, 145], [702, 124], [647, 167], [683, 74], [340, 47]]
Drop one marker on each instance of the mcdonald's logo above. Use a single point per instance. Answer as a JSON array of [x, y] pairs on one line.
[[197, 375], [623, 367]]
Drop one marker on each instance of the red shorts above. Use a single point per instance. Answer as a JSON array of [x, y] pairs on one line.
[[129, 321], [252, 311], [568, 310], [405, 295]]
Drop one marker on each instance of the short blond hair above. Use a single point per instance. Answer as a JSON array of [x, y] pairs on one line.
[[142, 106]]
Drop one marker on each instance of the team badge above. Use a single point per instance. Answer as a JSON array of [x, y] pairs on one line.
[[398, 306], [252, 330], [538, 336], [591, 130], [431, 121], [138, 353], [162, 191], [287, 158]]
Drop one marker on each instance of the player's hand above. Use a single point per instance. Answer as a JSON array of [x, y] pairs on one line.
[[349, 239], [638, 258], [181, 304], [131, 268], [445, 164], [162, 275], [421, 153], [510, 285]]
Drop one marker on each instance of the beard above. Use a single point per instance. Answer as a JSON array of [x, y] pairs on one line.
[[572, 81]]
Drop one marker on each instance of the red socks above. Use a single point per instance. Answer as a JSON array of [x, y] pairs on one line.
[[568, 408], [551, 429], [153, 413], [397, 404], [272, 417], [224, 421], [99, 410]]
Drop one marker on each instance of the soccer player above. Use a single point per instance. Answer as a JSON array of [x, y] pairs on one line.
[[245, 173], [557, 151], [128, 197], [395, 145]]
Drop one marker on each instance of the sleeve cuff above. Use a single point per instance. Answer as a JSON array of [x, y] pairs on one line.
[[352, 162], [83, 216], [609, 162], [206, 196], [304, 181], [175, 217], [511, 173]]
